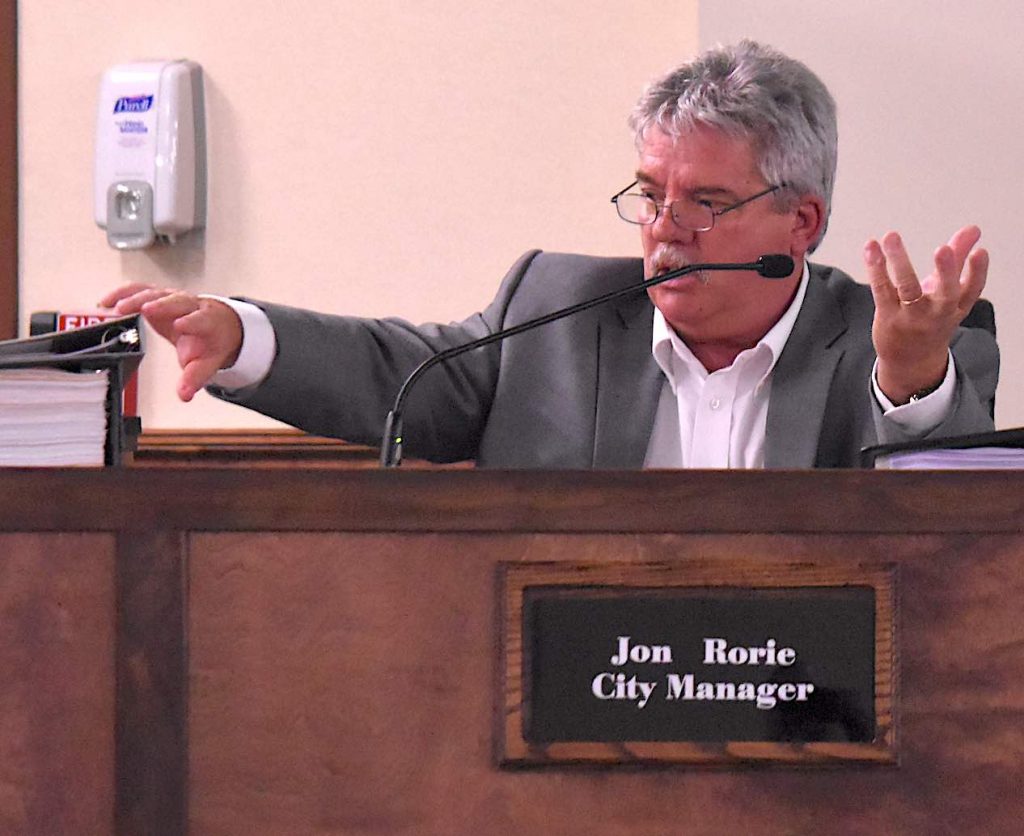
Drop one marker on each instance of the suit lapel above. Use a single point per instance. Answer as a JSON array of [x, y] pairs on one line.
[[802, 377], [629, 382]]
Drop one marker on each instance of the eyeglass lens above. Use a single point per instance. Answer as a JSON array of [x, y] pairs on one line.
[[640, 209]]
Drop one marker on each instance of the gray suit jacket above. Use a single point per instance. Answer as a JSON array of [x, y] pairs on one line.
[[582, 392]]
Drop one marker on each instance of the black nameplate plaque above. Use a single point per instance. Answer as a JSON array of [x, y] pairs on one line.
[[729, 663]]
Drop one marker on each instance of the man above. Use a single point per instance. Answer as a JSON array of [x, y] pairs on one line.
[[737, 155]]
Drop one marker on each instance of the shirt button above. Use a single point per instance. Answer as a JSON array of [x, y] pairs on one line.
[[715, 403]]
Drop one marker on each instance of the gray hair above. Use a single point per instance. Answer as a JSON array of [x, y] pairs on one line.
[[752, 92]]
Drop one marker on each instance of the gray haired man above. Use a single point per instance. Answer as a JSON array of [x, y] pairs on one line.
[[737, 157]]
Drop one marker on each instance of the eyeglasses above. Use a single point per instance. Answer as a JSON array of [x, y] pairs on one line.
[[694, 215]]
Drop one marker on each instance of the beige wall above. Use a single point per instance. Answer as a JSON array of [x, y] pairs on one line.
[[369, 158], [931, 121]]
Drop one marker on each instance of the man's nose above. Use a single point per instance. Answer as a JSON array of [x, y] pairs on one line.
[[665, 229]]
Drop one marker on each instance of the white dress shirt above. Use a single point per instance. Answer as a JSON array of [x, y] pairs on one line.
[[259, 347], [719, 420]]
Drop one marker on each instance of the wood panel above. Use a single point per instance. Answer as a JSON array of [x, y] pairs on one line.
[[265, 449], [56, 683], [476, 500], [269, 449], [152, 684], [346, 683]]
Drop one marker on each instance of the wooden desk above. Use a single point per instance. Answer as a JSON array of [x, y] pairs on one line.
[[300, 650]]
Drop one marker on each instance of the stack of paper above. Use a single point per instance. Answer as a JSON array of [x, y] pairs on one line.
[[965, 458], [50, 417]]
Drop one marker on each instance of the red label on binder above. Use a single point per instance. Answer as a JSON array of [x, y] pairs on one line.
[[130, 396]]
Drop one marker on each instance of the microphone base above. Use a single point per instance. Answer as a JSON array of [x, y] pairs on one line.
[[391, 443]]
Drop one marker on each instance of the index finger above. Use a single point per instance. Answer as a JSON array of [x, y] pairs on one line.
[[170, 305], [123, 292]]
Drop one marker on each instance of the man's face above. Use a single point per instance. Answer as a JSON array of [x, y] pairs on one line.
[[718, 307]]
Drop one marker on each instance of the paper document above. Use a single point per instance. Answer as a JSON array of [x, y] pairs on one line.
[[51, 417], [968, 458]]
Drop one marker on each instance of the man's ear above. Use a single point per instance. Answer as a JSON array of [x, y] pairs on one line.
[[808, 222]]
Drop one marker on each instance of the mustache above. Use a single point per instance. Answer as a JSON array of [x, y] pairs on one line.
[[666, 257]]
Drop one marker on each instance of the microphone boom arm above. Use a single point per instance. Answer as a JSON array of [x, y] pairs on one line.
[[769, 266]]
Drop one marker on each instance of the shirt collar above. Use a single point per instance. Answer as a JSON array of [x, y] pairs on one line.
[[665, 341]]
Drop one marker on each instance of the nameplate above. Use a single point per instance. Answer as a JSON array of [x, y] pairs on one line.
[[718, 663]]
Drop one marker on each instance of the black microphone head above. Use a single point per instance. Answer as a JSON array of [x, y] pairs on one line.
[[775, 266]]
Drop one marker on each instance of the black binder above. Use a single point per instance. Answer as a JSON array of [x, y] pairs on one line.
[[115, 345], [1013, 438]]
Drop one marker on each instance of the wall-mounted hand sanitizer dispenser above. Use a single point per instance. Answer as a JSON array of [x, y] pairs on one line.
[[150, 153]]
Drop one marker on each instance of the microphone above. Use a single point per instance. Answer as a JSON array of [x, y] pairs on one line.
[[775, 266]]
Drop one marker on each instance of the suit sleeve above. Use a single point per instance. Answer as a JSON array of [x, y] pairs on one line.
[[337, 376], [976, 358]]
